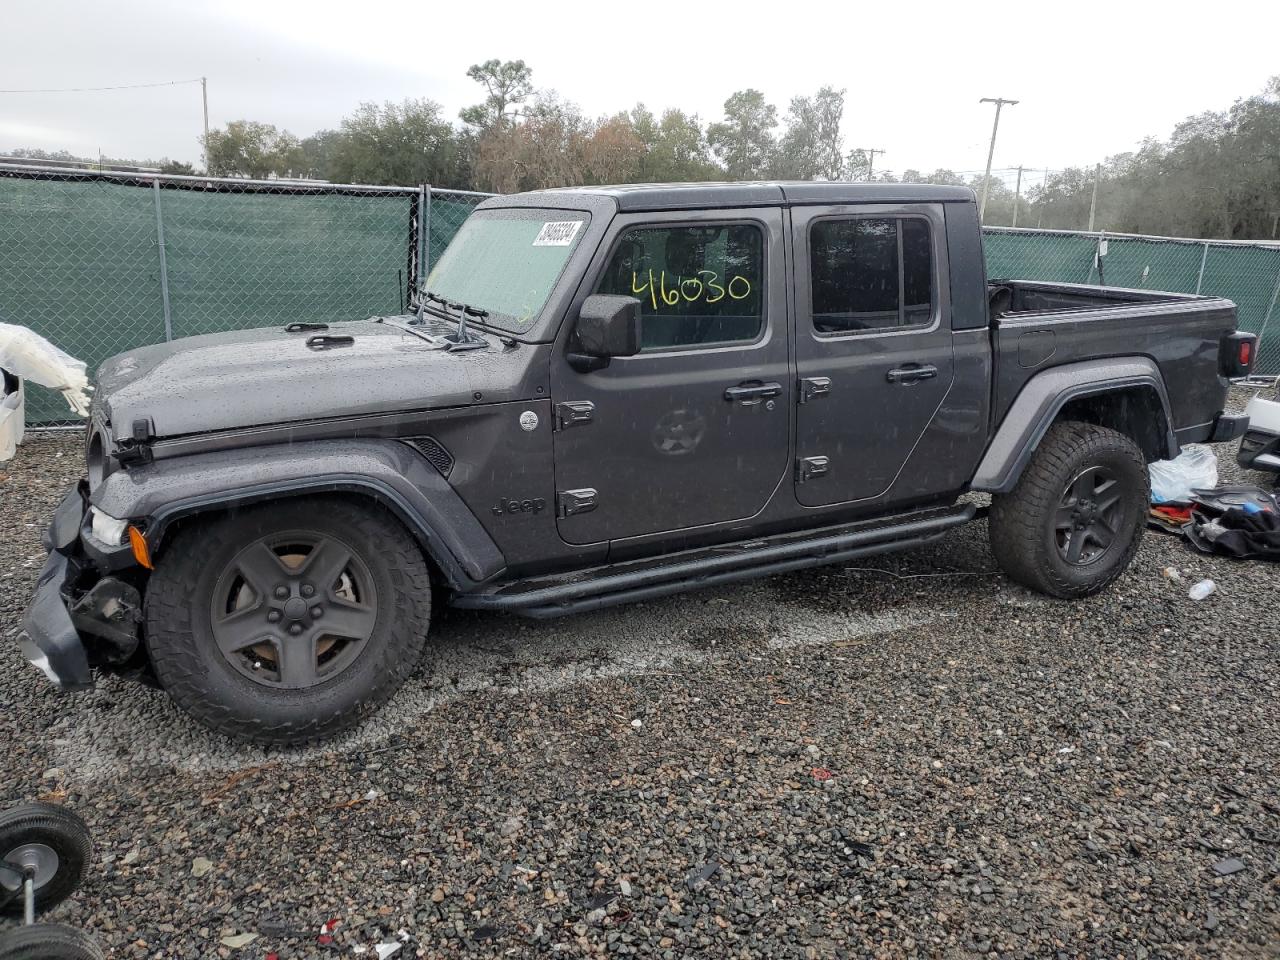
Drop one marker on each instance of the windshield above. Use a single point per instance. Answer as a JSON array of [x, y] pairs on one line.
[[506, 262]]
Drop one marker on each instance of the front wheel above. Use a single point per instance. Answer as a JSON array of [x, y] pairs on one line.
[[286, 623], [1074, 521]]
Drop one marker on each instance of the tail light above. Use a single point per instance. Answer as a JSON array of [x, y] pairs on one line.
[[1236, 353]]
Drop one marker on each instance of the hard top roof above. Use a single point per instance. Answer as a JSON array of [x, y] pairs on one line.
[[679, 196]]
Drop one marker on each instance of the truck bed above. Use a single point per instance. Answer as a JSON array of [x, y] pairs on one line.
[[1036, 326]]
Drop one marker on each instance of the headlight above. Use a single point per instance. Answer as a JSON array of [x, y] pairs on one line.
[[107, 529]]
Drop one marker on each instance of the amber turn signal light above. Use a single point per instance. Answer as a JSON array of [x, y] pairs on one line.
[[141, 552]]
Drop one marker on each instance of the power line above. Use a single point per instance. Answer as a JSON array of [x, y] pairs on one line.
[[127, 86]]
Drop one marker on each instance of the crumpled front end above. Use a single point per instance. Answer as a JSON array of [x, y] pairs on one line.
[[86, 610]]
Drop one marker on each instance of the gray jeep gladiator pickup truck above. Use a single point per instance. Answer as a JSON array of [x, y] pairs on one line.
[[600, 396]]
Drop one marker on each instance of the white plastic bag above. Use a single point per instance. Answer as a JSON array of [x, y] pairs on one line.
[[1194, 469], [30, 356], [11, 425]]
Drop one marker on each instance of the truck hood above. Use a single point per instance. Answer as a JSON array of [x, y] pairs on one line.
[[250, 378]]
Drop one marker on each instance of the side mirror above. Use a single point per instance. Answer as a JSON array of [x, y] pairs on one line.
[[608, 326]]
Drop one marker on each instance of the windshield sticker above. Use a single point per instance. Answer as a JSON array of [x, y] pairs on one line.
[[557, 233]]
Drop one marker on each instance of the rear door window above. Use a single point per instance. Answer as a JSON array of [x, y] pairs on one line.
[[871, 273]]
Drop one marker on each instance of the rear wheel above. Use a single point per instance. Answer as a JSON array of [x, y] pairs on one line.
[[290, 622], [1076, 517]]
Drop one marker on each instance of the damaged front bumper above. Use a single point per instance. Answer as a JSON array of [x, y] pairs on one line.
[[82, 614]]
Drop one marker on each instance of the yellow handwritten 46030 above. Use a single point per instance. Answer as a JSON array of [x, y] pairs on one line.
[[689, 289]]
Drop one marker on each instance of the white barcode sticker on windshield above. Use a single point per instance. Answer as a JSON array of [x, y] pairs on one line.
[[557, 233]]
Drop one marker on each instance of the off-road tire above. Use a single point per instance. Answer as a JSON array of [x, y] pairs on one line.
[[203, 683], [1022, 523], [48, 941], [58, 829]]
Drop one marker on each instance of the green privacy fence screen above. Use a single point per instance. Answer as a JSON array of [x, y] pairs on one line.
[[1247, 273], [100, 262]]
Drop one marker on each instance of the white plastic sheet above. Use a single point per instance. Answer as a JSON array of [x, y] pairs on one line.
[[1196, 468], [11, 422], [31, 357]]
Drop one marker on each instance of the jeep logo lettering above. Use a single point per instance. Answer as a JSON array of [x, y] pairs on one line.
[[505, 506]]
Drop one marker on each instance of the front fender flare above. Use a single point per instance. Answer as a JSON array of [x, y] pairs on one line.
[[390, 472], [1044, 396]]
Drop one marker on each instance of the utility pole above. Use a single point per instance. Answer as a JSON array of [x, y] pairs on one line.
[[1275, 225], [871, 161], [986, 179], [1017, 195], [204, 95], [1044, 186], [1093, 204]]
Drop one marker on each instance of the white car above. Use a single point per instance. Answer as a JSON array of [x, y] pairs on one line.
[[1260, 446]]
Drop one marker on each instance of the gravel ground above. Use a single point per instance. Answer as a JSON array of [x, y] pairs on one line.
[[905, 757]]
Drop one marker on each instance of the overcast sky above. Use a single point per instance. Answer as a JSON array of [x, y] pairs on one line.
[[1093, 78]]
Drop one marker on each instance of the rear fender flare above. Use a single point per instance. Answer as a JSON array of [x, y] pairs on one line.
[[1043, 398], [386, 471]]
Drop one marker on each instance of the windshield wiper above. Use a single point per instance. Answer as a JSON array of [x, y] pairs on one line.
[[434, 298], [461, 339]]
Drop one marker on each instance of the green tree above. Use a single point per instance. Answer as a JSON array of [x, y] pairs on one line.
[[404, 143], [317, 153], [246, 148], [508, 85], [744, 140], [812, 147], [676, 148]]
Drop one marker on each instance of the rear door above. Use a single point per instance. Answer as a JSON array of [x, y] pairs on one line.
[[873, 345], [693, 430]]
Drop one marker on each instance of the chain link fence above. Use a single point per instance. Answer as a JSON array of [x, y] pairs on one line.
[[103, 262], [1247, 273]]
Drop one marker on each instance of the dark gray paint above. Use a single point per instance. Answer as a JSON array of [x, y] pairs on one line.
[[1179, 334], [665, 449], [264, 393], [390, 472], [249, 378], [650, 197], [1048, 392], [868, 452]]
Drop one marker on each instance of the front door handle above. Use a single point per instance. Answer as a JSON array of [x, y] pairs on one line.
[[753, 392], [911, 373]]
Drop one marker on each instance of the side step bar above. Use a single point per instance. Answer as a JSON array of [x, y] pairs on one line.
[[630, 585]]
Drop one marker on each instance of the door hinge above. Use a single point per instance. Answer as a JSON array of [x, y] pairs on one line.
[[807, 468], [811, 387], [570, 502], [571, 413]]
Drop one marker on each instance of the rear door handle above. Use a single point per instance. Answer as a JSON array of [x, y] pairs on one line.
[[911, 373], [753, 392]]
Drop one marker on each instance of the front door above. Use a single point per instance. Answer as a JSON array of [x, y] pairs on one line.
[[694, 429], [873, 346]]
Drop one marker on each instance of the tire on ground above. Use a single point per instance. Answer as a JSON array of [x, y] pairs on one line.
[[48, 941], [189, 666], [1022, 523], [52, 828]]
